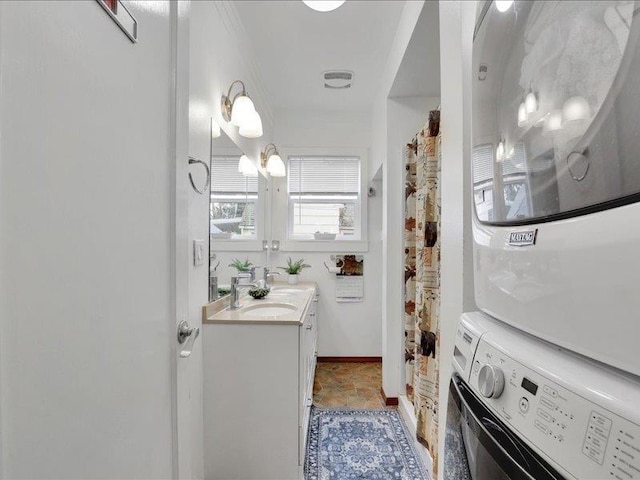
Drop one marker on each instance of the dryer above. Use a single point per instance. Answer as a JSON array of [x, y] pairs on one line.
[[523, 409], [556, 172]]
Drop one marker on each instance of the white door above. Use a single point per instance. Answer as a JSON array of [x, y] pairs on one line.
[[93, 272], [191, 217]]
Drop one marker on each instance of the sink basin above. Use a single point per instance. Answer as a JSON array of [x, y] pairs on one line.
[[269, 310]]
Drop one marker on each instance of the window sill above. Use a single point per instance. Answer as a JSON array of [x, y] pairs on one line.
[[236, 245], [343, 246]]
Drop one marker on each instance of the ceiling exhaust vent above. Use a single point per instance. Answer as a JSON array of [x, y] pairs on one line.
[[337, 79]]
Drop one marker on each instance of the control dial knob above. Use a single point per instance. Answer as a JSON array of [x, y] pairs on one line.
[[490, 381]]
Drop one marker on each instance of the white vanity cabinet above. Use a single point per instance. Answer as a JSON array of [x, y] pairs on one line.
[[308, 355], [258, 390]]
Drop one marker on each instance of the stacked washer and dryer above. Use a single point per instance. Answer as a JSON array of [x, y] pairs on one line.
[[547, 375]]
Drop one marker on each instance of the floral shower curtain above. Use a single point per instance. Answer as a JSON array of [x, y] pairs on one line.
[[422, 278]]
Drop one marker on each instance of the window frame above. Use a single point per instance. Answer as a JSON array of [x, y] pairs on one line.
[[296, 243], [248, 243]]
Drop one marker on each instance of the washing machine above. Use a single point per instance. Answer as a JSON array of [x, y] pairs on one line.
[[556, 172], [523, 409]]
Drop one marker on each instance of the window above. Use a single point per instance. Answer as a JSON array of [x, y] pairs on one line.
[[234, 200], [515, 203], [324, 197]]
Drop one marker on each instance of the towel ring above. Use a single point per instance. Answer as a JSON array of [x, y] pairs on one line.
[[191, 162], [578, 155]]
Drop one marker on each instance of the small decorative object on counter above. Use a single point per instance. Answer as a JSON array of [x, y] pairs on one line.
[[294, 268], [259, 292], [224, 290]]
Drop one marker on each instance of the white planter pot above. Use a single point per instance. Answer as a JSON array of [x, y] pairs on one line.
[[293, 279]]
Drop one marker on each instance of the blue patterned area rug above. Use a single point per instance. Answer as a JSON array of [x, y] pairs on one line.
[[360, 445]]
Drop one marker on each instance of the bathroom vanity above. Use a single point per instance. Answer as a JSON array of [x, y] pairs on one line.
[[259, 365]]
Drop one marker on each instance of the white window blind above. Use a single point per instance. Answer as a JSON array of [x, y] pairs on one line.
[[324, 176], [517, 163], [482, 158], [225, 177]]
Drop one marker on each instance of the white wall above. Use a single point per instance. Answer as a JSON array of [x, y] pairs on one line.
[[382, 151], [344, 329], [457, 19], [85, 251], [405, 117], [406, 26], [218, 56]]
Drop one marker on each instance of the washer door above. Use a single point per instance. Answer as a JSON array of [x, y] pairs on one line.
[[555, 109], [479, 446]]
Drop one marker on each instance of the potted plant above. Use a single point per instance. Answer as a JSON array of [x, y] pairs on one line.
[[244, 268], [294, 268]]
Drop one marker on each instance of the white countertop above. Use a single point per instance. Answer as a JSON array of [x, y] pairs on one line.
[[296, 297]]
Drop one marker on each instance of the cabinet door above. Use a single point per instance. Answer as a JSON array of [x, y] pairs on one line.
[[306, 388]]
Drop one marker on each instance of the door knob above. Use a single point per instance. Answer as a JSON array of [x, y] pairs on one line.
[[185, 332]]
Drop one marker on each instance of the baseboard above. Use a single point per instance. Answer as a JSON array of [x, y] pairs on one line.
[[350, 359], [388, 401]]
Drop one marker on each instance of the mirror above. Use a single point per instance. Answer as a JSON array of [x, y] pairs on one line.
[[232, 205]]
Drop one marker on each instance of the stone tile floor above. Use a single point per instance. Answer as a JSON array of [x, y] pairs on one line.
[[352, 385]]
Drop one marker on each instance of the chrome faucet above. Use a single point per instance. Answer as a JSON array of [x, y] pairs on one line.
[[213, 288], [267, 274], [213, 282], [234, 303], [248, 274]]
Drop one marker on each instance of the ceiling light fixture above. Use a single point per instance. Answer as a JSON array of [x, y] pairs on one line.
[[241, 112], [271, 161], [503, 5], [323, 5]]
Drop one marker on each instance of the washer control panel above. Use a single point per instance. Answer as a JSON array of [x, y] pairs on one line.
[[584, 438]]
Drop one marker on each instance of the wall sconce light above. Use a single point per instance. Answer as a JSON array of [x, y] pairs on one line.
[[500, 150], [215, 129], [246, 167], [553, 123], [522, 115], [575, 109], [271, 161], [241, 112], [531, 103]]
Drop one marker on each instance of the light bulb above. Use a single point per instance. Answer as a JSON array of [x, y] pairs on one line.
[[252, 127], [251, 171], [500, 151], [503, 5], [244, 164], [575, 109], [275, 166], [553, 123], [242, 108], [215, 129], [323, 5], [522, 115], [531, 103]]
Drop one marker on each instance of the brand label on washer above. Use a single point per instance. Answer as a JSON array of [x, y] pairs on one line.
[[524, 238]]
